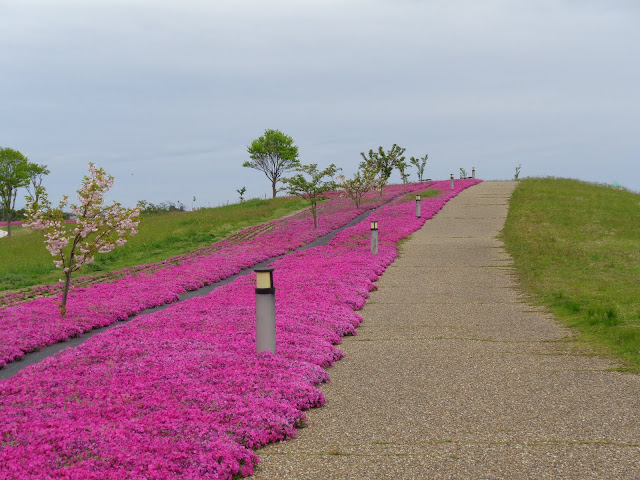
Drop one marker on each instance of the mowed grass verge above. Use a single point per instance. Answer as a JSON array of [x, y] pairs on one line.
[[576, 248], [426, 193], [24, 261]]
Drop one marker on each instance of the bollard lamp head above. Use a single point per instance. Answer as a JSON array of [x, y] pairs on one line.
[[264, 280]]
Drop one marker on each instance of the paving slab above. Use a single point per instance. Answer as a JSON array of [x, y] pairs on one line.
[[453, 374]]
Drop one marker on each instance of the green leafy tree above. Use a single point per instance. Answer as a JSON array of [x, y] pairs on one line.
[[36, 176], [384, 162], [356, 187], [273, 154], [241, 192], [314, 188], [419, 163], [14, 174], [402, 166]]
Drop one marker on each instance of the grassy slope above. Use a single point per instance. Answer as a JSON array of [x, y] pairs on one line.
[[24, 260], [426, 193], [576, 248]]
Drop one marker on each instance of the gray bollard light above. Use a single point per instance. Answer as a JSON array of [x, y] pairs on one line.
[[374, 237], [265, 310], [452, 181], [473, 172], [418, 206]]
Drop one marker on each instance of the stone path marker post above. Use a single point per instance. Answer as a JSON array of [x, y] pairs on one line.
[[418, 206], [374, 237], [265, 310]]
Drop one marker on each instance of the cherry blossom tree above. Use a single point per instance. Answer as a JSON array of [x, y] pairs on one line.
[[98, 229]]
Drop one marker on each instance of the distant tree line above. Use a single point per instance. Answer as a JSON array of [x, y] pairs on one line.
[[163, 207]]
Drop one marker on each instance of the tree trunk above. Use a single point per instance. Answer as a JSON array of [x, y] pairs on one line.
[[273, 186], [11, 208], [65, 293], [315, 216]]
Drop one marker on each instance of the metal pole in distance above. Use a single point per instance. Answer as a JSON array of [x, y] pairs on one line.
[[418, 206], [374, 237], [473, 172], [452, 181], [265, 310]]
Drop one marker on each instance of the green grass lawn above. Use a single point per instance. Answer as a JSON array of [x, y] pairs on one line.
[[576, 248], [24, 261], [426, 193]]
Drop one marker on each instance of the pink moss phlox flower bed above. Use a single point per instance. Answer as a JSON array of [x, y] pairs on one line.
[[331, 214], [181, 393], [37, 323]]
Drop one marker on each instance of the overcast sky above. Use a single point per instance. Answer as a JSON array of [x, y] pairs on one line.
[[166, 95]]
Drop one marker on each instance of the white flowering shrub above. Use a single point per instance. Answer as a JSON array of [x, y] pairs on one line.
[[99, 228]]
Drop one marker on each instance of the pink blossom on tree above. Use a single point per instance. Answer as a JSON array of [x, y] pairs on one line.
[[99, 228]]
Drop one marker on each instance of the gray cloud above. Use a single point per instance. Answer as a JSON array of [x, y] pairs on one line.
[[167, 95]]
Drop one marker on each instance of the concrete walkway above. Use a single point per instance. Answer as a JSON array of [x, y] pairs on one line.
[[453, 375]]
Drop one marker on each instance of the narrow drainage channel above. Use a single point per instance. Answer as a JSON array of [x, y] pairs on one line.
[[32, 358]]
